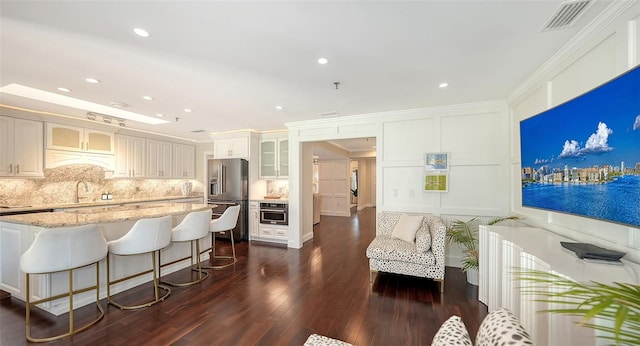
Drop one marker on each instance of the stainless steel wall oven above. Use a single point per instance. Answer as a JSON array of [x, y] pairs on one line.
[[274, 213]]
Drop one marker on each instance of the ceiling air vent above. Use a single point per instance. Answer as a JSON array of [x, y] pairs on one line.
[[330, 114], [197, 131], [566, 15]]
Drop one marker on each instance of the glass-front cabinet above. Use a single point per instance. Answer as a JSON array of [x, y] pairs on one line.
[[274, 158], [73, 138]]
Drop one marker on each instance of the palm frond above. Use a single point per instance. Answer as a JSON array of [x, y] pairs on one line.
[[616, 303], [465, 235]]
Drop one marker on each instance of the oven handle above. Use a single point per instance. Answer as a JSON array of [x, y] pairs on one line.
[[273, 210], [222, 203]]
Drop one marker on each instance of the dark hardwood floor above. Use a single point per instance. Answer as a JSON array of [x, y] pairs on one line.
[[278, 296]]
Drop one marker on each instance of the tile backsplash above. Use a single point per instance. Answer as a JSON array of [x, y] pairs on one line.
[[59, 187], [278, 188]]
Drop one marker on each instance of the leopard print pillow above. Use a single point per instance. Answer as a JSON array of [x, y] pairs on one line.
[[452, 332], [501, 327], [423, 238], [320, 340]]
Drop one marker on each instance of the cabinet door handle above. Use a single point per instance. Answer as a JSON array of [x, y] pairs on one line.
[[11, 168]]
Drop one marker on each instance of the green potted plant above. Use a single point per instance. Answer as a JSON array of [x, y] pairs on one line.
[[616, 303], [464, 234]]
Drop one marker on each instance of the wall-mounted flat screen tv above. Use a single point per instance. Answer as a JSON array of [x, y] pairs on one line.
[[583, 156]]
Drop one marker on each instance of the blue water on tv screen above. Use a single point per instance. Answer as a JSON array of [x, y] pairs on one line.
[[583, 156]]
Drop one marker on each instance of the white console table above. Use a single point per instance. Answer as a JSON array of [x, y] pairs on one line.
[[504, 248]]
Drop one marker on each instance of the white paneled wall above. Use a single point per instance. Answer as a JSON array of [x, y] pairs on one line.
[[334, 182], [481, 138], [475, 135], [605, 49]]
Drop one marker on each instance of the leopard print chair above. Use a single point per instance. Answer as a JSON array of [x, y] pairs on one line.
[[423, 258]]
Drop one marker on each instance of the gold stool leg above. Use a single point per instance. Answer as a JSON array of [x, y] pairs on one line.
[[28, 316], [71, 301], [198, 269], [215, 257], [156, 286], [70, 294]]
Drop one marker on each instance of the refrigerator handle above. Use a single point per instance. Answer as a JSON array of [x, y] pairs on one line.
[[223, 178]]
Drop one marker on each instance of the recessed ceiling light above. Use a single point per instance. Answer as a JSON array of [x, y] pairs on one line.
[[148, 98], [92, 80], [443, 85], [160, 115], [141, 32], [279, 107], [119, 104], [323, 61], [64, 89], [187, 110]]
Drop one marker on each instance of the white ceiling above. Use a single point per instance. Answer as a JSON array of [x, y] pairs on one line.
[[232, 62]]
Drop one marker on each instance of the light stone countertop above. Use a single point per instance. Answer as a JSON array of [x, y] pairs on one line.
[[106, 203], [270, 200], [77, 217]]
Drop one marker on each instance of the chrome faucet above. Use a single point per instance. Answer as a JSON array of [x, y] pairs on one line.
[[86, 189]]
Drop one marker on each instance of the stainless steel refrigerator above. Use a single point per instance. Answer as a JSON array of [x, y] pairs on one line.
[[229, 186]]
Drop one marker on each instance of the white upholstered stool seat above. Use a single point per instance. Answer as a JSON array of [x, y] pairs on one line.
[[193, 227], [146, 236], [64, 249], [226, 222]]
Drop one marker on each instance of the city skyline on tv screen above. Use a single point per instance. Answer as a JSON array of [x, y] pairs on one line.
[[583, 157]]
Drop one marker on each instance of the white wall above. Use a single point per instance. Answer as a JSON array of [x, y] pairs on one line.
[[604, 49], [475, 135], [334, 178]]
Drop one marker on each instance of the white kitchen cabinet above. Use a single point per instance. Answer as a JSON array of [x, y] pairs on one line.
[[273, 233], [231, 148], [21, 147], [73, 138], [159, 159], [130, 157], [274, 158], [13, 243], [184, 161], [254, 219]]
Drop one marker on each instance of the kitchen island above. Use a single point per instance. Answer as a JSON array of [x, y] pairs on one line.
[[17, 232]]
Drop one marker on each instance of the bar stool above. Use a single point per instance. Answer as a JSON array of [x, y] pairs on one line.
[[146, 236], [64, 249], [226, 222], [193, 227]]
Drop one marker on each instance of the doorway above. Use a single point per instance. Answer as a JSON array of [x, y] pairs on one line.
[[343, 176]]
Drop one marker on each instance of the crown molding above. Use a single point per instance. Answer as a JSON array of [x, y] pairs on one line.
[[589, 32]]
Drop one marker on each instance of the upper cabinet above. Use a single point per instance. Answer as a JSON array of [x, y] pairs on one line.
[[72, 145], [21, 147], [184, 161], [159, 159], [231, 148], [130, 157], [72, 138], [274, 158]]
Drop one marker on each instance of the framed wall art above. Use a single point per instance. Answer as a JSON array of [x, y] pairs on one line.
[[436, 182], [436, 161]]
